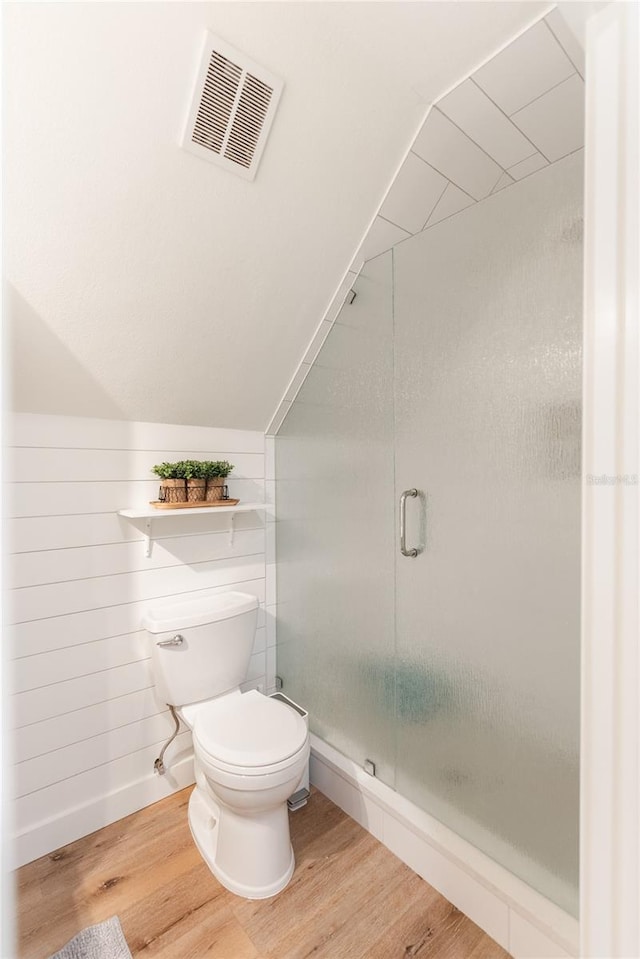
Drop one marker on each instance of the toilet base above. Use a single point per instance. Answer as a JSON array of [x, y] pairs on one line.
[[257, 848]]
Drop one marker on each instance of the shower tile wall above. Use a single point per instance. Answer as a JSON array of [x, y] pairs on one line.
[[88, 726], [520, 112]]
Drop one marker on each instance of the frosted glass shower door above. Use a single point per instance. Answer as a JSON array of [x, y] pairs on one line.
[[335, 536], [487, 314]]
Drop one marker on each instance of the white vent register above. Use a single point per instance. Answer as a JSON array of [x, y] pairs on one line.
[[233, 107]]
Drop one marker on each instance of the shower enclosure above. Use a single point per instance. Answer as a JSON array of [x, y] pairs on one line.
[[445, 405]]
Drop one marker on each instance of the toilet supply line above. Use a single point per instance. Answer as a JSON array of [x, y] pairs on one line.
[[158, 765]]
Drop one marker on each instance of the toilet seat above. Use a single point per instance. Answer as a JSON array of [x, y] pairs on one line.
[[251, 779], [248, 734]]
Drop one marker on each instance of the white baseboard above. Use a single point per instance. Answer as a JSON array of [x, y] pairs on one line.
[[80, 821], [521, 920]]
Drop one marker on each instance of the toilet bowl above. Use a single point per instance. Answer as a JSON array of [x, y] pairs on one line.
[[250, 751]]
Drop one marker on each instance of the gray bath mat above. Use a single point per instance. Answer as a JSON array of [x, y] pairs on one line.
[[103, 941]]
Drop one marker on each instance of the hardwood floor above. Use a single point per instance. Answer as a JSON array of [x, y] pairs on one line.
[[349, 898]]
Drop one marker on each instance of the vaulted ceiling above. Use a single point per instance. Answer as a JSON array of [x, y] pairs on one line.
[[147, 284]]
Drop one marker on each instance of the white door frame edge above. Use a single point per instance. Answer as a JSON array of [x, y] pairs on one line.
[[610, 734]]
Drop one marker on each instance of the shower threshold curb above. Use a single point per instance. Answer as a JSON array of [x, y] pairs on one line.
[[518, 917]]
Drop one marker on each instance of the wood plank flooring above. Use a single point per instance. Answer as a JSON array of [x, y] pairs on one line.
[[350, 898]]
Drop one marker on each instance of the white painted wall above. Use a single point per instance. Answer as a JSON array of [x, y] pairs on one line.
[[88, 725], [146, 284]]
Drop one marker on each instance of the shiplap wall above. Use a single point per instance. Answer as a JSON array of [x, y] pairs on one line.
[[87, 723]]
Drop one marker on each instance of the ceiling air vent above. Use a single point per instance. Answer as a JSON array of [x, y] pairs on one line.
[[233, 107]]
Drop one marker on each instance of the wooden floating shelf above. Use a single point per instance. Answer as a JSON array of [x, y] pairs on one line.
[[149, 513]]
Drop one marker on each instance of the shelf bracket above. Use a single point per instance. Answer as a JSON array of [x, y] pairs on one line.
[[232, 529], [148, 540]]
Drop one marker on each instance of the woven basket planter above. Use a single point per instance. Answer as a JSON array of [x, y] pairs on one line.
[[196, 490], [173, 491], [217, 489]]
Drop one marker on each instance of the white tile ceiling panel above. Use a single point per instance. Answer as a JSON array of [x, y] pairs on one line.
[[472, 110], [505, 180], [567, 39], [525, 69], [457, 157], [555, 122], [523, 169], [414, 194], [381, 236], [453, 200]]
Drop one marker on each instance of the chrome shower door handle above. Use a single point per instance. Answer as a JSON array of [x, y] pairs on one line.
[[403, 523]]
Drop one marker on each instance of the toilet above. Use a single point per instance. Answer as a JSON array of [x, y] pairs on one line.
[[250, 750]]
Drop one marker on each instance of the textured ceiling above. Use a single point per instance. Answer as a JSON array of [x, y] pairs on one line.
[[147, 284]]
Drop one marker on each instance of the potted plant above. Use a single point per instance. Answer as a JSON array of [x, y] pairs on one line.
[[215, 472], [172, 488], [195, 480]]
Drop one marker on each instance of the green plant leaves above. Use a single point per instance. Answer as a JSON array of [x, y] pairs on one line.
[[193, 469]]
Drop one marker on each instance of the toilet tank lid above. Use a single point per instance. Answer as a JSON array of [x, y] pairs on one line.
[[197, 612]]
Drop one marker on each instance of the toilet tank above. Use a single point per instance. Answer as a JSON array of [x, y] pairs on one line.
[[208, 645]]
